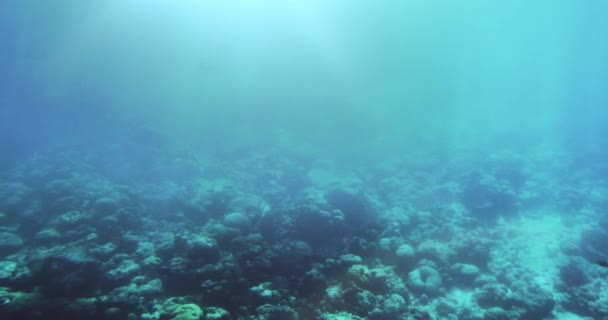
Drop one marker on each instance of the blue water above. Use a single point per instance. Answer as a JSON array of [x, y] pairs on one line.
[[265, 159]]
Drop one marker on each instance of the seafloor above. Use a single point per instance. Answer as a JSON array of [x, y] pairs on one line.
[[143, 232]]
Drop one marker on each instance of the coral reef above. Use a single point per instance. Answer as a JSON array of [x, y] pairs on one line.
[[314, 242]]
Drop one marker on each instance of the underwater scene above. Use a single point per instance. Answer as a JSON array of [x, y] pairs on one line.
[[303, 160]]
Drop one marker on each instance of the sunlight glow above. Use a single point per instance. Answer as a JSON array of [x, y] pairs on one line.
[[272, 26]]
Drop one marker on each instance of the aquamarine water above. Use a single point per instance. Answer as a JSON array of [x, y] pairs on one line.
[[266, 159]]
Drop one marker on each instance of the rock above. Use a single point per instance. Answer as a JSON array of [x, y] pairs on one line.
[[103, 251], [350, 259], [496, 313], [272, 312], [82, 305], [468, 269], [151, 288], [9, 243], [13, 196], [405, 251], [491, 294], [425, 279], [434, 251], [105, 206], [71, 220], [216, 313], [223, 234], [69, 273], [7, 269], [465, 274], [188, 311], [16, 301], [340, 316], [572, 275], [394, 304], [355, 207], [48, 235], [237, 220], [488, 197], [202, 248], [263, 292], [359, 274], [334, 294], [124, 271]]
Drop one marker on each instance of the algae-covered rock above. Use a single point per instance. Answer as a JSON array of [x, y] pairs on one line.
[[359, 274], [334, 294], [67, 272], [406, 251], [394, 304], [82, 305], [105, 205], [7, 269], [465, 274], [121, 269], [340, 316], [15, 301], [237, 220], [274, 312], [350, 259], [188, 311], [216, 313], [9, 243], [425, 279], [48, 235]]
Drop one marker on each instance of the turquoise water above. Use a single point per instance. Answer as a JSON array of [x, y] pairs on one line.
[[455, 148], [387, 74]]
